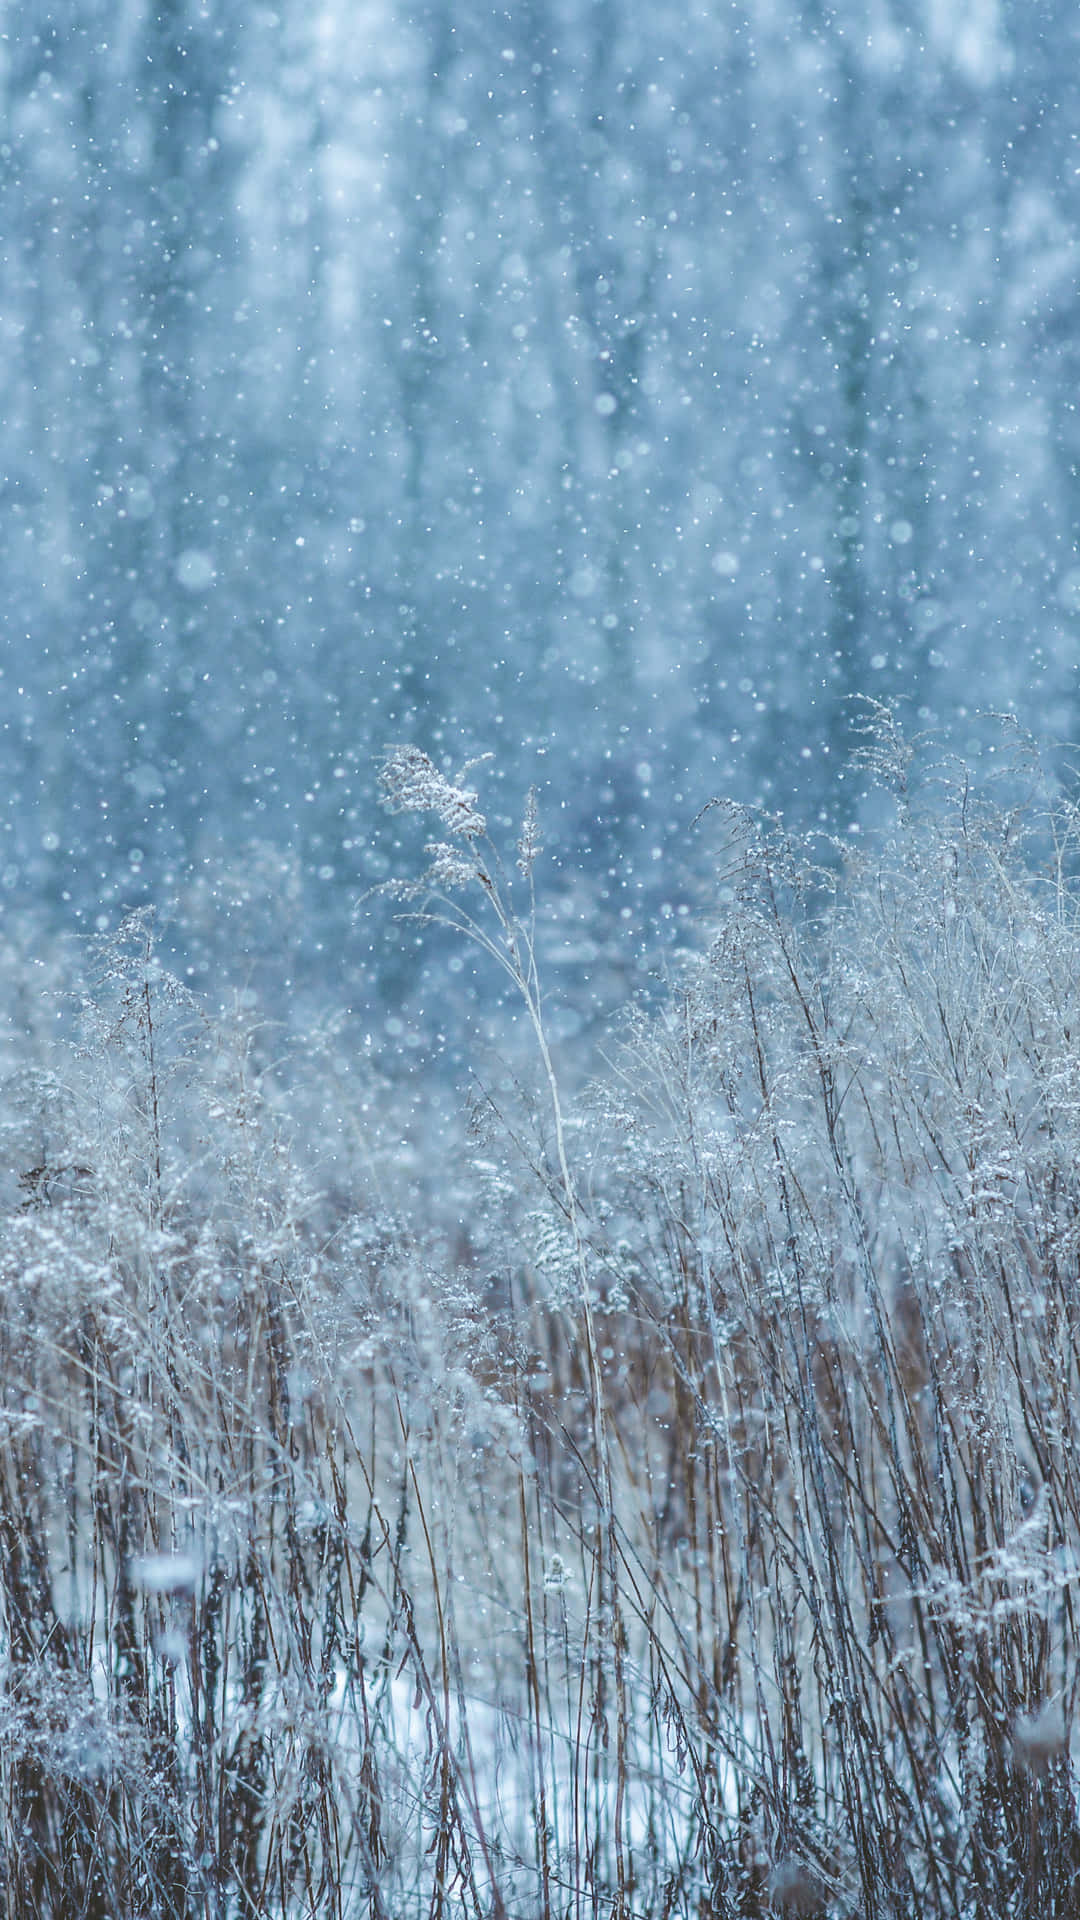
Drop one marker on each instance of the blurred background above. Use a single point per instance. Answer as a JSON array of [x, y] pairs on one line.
[[619, 389]]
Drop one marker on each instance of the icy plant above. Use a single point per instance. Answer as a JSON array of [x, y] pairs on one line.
[[412, 783], [684, 1521]]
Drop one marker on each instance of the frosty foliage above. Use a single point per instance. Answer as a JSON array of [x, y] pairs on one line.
[[530, 844], [411, 783], [661, 1499]]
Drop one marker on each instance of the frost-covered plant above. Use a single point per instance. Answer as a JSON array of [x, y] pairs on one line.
[[467, 869], [700, 1537], [843, 1147], [471, 865], [205, 1604]]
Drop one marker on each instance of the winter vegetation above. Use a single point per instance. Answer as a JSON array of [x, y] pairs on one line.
[[664, 1502], [539, 1292]]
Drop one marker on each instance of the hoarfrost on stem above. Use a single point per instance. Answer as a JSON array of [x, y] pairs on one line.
[[412, 783]]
